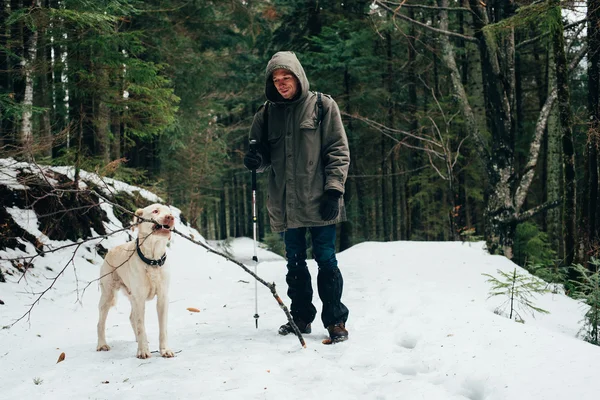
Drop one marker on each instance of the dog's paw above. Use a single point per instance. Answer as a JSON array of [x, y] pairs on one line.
[[167, 353], [103, 347], [143, 353]]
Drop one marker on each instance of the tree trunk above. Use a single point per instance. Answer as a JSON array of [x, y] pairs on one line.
[[229, 207], [6, 125], [461, 205], [386, 202], [44, 97], [590, 238], [566, 124], [407, 211], [554, 176], [102, 125], [223, 214], [354, 185], [59, 111], [30, 40], [115, 129]]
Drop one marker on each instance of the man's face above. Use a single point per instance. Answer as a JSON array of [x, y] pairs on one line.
[[285, 83]]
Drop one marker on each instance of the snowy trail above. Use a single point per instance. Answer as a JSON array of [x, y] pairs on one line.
[[420, 328]]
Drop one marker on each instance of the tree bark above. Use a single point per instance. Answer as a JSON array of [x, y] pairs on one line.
[[44, 98], [589, 241], [6, 125], [566, 124], [30, 39]]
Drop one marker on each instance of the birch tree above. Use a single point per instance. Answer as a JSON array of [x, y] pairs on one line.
[[28, 62], [493, 27]]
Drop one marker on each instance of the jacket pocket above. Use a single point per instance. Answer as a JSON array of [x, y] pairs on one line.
[[274, 136], [308, 124]]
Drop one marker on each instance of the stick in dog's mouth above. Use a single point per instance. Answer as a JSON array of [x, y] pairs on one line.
[[158, 227]]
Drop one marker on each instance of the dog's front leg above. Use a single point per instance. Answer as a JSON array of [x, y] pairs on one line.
[[162, 308], [138, 311], [107, 299]]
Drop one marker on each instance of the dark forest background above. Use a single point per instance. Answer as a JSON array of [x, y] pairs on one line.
[[467, 120]]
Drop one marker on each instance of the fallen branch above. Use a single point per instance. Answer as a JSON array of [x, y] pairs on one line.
[[41, 294], [79, 243], [271, 286]]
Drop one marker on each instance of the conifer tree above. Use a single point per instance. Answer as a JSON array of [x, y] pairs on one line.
[[588, 290], [518, 290]]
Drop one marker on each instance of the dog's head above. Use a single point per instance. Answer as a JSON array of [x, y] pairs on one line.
[[162, 221]]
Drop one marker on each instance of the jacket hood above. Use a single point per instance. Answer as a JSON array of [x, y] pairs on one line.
[[286, 60]]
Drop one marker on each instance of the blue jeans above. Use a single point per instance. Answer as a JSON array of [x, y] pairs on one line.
[[329, 279]]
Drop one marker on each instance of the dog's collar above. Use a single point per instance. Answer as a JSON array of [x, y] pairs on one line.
[[154, 263]]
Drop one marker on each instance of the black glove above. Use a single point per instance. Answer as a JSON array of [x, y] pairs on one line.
[[252, 160], [330, 205]]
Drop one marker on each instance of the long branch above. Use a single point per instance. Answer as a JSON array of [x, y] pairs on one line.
[[435, 8], [525, 215], [41, 294], [540, 36], [271, 286], [396, 13], [385, 129]]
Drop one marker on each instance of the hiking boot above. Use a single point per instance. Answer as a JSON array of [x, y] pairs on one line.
[[302, 326], [337, 332]]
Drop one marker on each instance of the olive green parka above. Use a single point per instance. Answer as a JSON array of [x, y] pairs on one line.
[[303, 158]]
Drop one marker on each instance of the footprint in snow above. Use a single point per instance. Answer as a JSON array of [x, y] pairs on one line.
[[474, 389], [408, 341]]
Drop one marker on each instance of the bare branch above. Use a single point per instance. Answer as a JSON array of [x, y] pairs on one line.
[[271, 286], [543, 35], [396, 13], [436, 168], [525, 215], [434, 8], [388, 175], [40, 295], [385, 129]]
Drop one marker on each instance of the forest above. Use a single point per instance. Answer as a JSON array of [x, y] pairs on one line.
[[467, 120]]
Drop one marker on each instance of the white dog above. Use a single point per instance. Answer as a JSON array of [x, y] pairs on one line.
[[138, 267]]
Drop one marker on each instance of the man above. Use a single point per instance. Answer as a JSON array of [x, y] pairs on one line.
[[305, 150]]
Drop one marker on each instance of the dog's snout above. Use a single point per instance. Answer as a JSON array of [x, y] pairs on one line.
[[169, 218]]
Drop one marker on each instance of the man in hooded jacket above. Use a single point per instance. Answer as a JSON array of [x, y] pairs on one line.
[[305, 152]]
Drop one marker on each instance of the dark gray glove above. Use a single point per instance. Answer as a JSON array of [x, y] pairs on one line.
[[252, 160], [330, 205]]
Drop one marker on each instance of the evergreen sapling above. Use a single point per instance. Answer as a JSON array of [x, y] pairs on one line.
[[588, 290], [518, 290]]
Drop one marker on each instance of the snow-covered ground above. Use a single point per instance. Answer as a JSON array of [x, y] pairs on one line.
[[421, 327]]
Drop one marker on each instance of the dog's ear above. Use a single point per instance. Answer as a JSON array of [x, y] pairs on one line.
[[138, 213]]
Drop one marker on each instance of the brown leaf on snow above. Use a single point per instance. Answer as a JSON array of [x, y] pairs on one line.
[[61, 357], [192, 309]]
